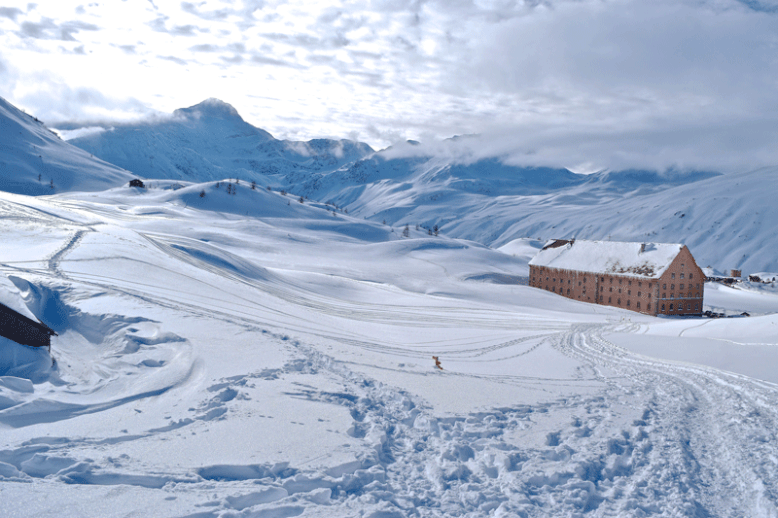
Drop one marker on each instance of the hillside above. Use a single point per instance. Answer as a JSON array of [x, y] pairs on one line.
[[32, 158], [250, 355], [210, 141], [726, 220]]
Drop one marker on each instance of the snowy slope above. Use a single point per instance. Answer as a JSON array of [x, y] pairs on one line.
[[725, 220], [250, 355], [29, 150], [210, 141]]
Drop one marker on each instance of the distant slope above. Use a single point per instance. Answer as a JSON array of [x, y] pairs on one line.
[[210, 141], [29, 149], [726, 220]]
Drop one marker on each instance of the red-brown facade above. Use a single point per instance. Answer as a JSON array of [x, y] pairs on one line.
[[678, 291]]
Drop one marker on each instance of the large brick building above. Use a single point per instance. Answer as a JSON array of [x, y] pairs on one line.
[[651, 278]]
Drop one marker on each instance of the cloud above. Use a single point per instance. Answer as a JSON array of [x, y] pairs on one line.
[[204, 47], [246, 11], [260, 59], [10, 12], [48, 29], [174, 59], [56, 103]]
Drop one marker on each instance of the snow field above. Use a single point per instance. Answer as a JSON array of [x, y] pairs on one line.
[[233, 355]]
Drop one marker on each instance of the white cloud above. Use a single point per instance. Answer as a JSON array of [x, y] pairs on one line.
[[608, 83]]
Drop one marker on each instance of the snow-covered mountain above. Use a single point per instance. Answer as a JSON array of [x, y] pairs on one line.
[[726, 220], [33, 159], [210, 141]]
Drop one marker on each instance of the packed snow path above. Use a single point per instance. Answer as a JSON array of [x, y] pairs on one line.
[[220, 367]]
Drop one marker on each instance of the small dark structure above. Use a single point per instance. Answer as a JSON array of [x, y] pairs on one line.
[[23, 330], [135, 182]]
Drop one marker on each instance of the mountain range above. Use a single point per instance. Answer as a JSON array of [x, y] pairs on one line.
[[726, 220]]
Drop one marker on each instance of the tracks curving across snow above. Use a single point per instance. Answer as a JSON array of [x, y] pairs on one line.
[[710, 445]]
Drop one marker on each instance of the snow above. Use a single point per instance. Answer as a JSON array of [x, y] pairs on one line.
[[727, 220], [649, 260], [28, 150], [10, 297], [249, 355]]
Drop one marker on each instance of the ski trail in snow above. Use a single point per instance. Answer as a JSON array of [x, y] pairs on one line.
[[714, 449], [56, 258]]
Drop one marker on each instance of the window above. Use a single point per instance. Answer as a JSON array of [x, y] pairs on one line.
[[689, 306], [561, 281], [629, 282], [609, 300], [627, 302], [568, 291], [584, 290], [553, 288], [640, 284], [584, 279], [649, 285], [648, 306], [681, 266], [554, 280], [568, 281], [672, 295], [671, 307], [546, 277], [697, 307], [619, 281], [601, 297], [672, 286], [690, 294], [664, 286], [611, 289], [681, 276], [691, 276], [618, 302], [602, 279], [638, 294], [638, 305], [664, 295], [602, 288], [611, 280], [649, 295], [579, 283], [698, 295], [698, 285], [619, 290], [629, 292], [681, 286], [672, 276], [663, 307]]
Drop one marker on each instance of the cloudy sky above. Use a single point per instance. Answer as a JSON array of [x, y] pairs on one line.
[[586, 84]]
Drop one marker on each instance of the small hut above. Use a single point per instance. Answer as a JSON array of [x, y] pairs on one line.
[[17, 323]]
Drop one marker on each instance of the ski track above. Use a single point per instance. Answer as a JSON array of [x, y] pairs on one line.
[[660, 439]]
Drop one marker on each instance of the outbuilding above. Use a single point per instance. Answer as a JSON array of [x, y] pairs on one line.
[[17, 323], [650, 278]]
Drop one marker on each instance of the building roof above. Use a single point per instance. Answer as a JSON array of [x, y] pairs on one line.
[[11, 297], [647, 260]]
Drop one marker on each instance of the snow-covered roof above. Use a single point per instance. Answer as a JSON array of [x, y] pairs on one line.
[[11, 297], [649, 260]]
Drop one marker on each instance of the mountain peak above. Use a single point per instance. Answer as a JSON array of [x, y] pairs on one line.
[[211, 108]]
